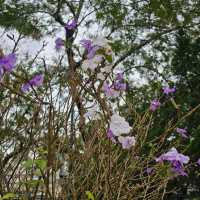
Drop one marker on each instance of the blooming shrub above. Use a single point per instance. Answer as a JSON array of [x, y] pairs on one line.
[[75, 126]]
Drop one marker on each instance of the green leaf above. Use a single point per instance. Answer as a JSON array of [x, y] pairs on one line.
[[109, 58], [28, 164], [42, 151], [89, 195], [40, 163], [32, 183], [38, 172], [8, 196]]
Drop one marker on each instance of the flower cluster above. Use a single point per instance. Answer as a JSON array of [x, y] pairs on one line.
[[176, 159], [94, 57], [114, 89], [96, 52], [7, 64]]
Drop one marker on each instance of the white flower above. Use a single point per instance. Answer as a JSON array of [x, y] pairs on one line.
[[92, 63], [118, 125], [127, 142]]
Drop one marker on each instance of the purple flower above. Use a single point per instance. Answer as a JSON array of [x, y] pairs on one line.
[[155, 104], [127, 142], [109, 91], [182, 132], [114, 89], [59, 43], [71, 24], [25, 87], [36, 81], [176, 159], [167, 90], [7, 63], [87, 44], [91, 52], [91, 49], [173, 155]]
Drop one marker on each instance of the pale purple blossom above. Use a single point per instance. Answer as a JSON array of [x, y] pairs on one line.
[[59, 43], [87, 44], [36, 81], [91, 52], [91, 49], [127, 141], [71, 24], [182, 132], [176, 159], [118, 125], [114, 89], [173, 155], [25, 87], [93, 46], [155, 104], [109, 90], [167, 90], [7, 63]]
